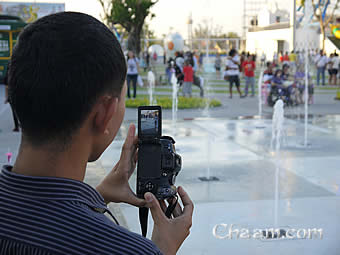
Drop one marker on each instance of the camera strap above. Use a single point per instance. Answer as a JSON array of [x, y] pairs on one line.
[[143, 219], [144, 213], [171, 206]]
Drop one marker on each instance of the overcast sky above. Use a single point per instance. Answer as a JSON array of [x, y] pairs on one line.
[[174, 13]]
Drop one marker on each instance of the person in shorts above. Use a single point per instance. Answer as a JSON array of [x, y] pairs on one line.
[[232, 72], [333, 66]]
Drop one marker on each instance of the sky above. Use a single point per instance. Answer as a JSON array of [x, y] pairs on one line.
[[175, 13]]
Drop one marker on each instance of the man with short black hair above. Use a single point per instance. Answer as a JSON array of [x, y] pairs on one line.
[[67, 87], [233, 71], [321, 61]]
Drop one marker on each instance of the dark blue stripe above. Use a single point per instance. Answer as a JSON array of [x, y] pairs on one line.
[[46, 216]]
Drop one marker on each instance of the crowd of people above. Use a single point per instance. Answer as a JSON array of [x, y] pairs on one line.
[[282, 82], [284, 72], [316, 58], [235, 66], [185, 67], [285, 76]]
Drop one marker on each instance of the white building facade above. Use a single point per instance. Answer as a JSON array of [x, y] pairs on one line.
[[275, 33]]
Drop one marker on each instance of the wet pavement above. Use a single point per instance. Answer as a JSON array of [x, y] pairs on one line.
[[238, 152], [235, 148]]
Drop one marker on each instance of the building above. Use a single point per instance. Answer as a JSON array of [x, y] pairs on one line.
[[274, 32]]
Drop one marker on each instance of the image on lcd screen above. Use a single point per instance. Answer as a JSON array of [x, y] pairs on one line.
[[149, 122]]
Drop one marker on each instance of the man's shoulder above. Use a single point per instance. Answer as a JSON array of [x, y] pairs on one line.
[[117, 236], [76, 229]]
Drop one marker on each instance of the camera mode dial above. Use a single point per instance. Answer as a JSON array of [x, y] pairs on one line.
[[149, 186]]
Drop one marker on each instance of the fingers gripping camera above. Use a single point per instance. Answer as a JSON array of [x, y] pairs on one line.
[[158, 162]]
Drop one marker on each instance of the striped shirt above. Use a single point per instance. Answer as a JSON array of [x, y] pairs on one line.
[[50, 216]]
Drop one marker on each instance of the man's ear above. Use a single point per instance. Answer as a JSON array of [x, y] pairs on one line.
[[106, 109]]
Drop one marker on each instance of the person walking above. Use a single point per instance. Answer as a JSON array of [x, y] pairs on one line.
[[249, 75], [233, 71], [188, 79], [321, 61], [132, 73]]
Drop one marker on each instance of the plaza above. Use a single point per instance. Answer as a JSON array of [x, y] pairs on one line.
[[233, 144], [261, 168]]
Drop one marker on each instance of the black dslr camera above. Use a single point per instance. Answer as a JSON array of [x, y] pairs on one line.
[[158, 162]]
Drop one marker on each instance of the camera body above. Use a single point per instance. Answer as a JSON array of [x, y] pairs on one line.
[[158, 162]]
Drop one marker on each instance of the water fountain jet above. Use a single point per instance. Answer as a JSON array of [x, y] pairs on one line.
[[151, 82]]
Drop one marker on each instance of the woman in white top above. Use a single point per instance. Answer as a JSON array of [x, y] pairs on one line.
[[132, 73]]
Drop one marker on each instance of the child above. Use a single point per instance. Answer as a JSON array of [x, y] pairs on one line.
[[277, 79], [188, 78], [268, 73], [249, 68]]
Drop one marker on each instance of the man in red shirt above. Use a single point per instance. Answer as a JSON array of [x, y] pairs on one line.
[[286, 58], [249, 68], [281, 56], [188, 72]]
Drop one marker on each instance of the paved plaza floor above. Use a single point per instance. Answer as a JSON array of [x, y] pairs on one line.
[[234, 146]]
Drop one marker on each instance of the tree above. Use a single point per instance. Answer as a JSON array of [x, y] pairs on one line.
[[130, 15], [320, 12], [147, 33], [205, 30], [232, 35]]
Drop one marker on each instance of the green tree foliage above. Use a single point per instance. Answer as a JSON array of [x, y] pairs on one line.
[[130, 15], [205, 30], [318, 7]]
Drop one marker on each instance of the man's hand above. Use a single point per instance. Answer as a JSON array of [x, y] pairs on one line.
[[169, 234], [115, 186]]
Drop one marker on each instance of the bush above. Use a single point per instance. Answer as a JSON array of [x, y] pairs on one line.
[[166, 102]]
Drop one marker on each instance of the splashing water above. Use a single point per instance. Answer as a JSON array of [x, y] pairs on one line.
[[174, 102], [277, 130], [277, 125], [206, 112], [260, 93], [151, 81]]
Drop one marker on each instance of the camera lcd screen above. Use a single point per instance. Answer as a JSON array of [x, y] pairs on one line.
[[150, 122]]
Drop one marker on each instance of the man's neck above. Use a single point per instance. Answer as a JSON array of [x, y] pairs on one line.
[[45, 161]]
